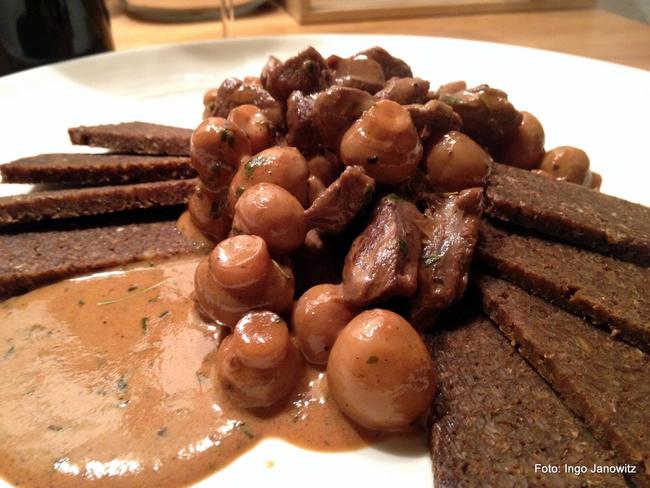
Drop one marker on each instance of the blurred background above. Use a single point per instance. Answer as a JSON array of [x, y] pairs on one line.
[[35, 32]]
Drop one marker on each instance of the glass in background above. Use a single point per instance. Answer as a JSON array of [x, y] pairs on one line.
[[37, 32], [192, 10]]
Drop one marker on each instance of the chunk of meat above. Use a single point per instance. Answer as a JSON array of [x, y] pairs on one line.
[[233, 93], [449, 238], [357, 72], [405, 90], [306, 72], [335, 208], [302, 131], [434, 116], [391, 65], [488, 117], [383, 259], [335, 111]]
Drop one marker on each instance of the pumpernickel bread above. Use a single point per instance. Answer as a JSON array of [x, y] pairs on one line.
[[605, 382], [497, 422], [611, 292], [93, 201], [96, 169], [570, 212], [134, 137], [31, 259]]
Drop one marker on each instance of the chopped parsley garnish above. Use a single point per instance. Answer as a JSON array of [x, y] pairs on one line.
[[122, 384], [394, 197], [54, 428], [228, 137], [81, 303], [431, 259], [372, 360], [144, 325], [403, 247], [132, 288], [253, 164], [164, 314], [244, 429], [239, 190], [162, 432], [449, 100]]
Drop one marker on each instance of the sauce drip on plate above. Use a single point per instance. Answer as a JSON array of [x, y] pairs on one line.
[[107, 380]]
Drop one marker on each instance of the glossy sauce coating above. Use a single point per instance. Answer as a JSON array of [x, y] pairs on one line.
[[384, 142], [108, 382], [274, 214], [254, 123], [380, 372], [318, 317], [282, 166], [455, 162], [217, 147]]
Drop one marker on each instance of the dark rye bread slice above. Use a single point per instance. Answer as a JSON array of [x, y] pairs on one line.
[[134, 137], [496, 419], [31, 259], [93, 201], [611, 293], [605, 382], [96, 169], [570, 212]]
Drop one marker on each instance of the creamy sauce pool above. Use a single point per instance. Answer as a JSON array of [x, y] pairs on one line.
[[107, 381]]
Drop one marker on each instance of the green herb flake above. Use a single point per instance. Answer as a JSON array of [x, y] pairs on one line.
[[122, 384], [239, 190], [54, 428], [282, 271], [372, 360], [81, 303], [449, 100], [309, 66], [139, 292], [253, 164], [144, 325], [162, 432], [201, 377], [164, 314], [132, 288], [394, 197], [9, 352], [227, 137], [244, 429], [216, 210], [431, 259], [403, 247], [374, 159]]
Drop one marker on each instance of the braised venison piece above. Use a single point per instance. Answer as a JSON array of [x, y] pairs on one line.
[[603, 381], [494, 418], [449, 240], [336, 109], [570, 212], [405, 90], [135, 138], [306, 72], [234, 92], [96, 169], [357, 72], [383, 259], [432, 117], [341, 201], [612, 293], [488, 117], [392, 66], [302, 131]]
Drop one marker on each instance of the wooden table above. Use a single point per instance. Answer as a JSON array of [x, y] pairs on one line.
[[589, 32]]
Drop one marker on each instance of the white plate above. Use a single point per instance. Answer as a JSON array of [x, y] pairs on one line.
[[598, 106]]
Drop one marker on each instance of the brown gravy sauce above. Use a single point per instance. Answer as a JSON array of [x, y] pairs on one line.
[[107, 381]]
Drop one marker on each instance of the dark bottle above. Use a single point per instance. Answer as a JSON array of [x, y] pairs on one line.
[[36, 32]]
